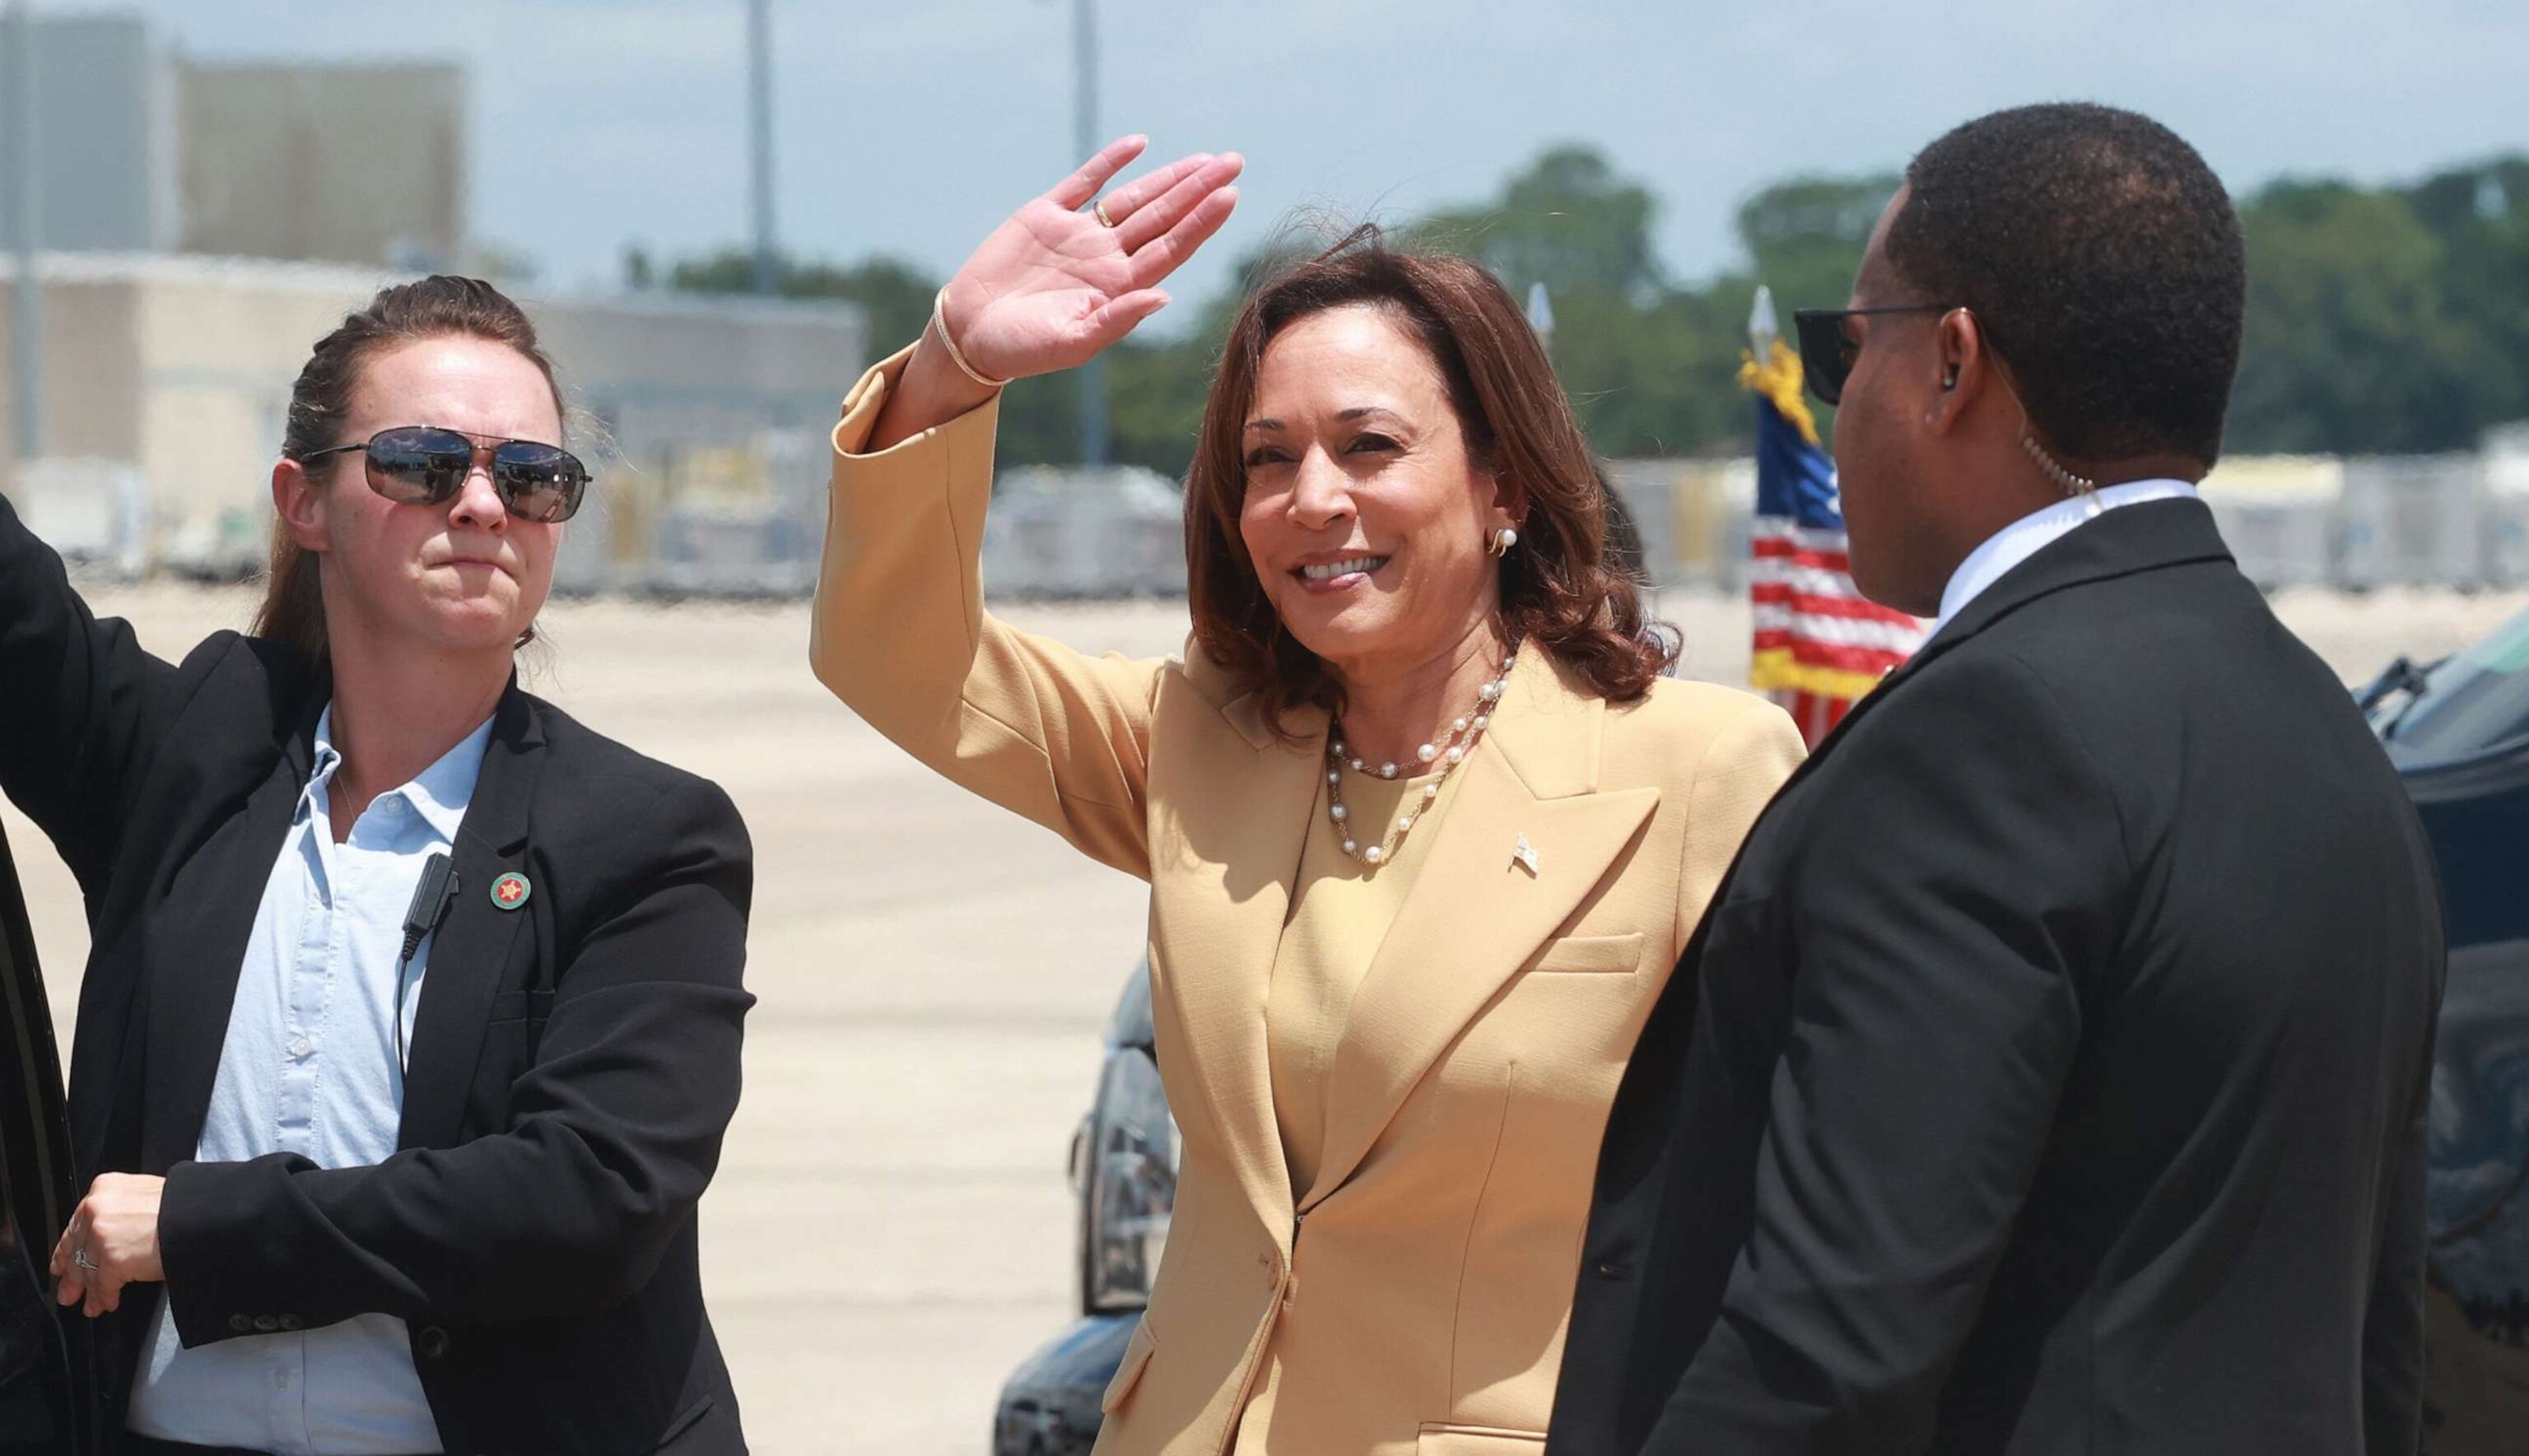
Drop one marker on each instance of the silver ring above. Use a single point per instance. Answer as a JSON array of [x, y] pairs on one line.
[[79, 1255], [1097, 209]]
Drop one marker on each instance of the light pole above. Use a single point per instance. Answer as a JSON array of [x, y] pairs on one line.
[[27, 318], [759, 100], [1084, 115]]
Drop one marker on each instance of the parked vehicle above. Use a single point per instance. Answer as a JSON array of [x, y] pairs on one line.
[[1124, 1169], [2458, 733]]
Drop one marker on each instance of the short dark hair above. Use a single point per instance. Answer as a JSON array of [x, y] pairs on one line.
[[2103, 258]]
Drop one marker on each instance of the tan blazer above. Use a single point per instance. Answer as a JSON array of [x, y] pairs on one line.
[[1415, 1300]]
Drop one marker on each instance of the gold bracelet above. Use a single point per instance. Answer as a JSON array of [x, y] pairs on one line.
[[939, 326]]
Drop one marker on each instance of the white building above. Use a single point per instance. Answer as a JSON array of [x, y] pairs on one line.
[[140, 149], [202, 225], [167, 381]]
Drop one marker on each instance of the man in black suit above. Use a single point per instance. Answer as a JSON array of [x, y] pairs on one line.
[[2049, 1073]]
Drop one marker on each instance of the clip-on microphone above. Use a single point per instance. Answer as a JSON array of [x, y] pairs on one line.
[[430, 900]]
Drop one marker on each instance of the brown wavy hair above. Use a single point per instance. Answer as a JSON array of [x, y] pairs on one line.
[[1560, 590], [436, 307]]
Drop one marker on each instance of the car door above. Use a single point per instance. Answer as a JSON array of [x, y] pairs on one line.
[[2458, 733], [42, 1389]]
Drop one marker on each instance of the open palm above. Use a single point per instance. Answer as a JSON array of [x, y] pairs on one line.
[[1053, 285]]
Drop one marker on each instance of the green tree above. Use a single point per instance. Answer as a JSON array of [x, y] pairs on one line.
[[2480, 213], [2352, 342], [1804, 237], [1653, 367], [1567, 221], [2379, 319], [893, 294], [1648, 366]]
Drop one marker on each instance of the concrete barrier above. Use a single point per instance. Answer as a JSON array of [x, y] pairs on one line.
[[1117, 532], [2410, 521], [2279, 515]]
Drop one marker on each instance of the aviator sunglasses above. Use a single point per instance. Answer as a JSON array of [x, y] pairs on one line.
[[1828, 353], [426, 466]]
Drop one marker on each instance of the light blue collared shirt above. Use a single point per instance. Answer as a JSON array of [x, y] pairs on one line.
[[309, 1067], [2039, 529]]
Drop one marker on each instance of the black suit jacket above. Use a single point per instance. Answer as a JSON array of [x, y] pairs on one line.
[[574, 1062], [2058, 1077]]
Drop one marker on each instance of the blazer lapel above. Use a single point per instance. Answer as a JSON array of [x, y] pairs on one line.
[[1223, 908], [472, 946], [197, 949], [1476, 913]]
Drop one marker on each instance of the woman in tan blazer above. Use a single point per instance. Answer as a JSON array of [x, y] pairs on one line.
[[1409, 906]]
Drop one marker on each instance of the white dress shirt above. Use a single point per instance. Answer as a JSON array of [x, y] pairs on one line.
[[309, 1066], [2039, 529]]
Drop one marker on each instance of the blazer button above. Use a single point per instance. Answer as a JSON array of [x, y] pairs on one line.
[[240, 1323], [432, 1342], [265, 1323], [291, 1321]]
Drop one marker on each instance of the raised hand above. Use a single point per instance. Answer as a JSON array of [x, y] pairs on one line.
[[1053, 285]]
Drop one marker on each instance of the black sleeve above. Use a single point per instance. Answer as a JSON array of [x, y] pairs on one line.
[[612, 1134], [1956, 890], [2393, 1327], [76, 695]]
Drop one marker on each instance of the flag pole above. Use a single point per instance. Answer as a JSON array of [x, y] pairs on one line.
[[1095, 442], [767, 266], [27, 312]]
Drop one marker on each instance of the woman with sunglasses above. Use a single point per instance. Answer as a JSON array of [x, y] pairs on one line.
[[410, 1027]]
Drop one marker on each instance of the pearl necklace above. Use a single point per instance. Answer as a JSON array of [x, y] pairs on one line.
[[1447, 751]]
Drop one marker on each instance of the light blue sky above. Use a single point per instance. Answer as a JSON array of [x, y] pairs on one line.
[[914, 127]]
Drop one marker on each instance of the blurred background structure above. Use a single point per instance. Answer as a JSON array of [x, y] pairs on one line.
[[198, 222], [197, 226]]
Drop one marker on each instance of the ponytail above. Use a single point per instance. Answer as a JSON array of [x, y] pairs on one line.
[[293, 600]]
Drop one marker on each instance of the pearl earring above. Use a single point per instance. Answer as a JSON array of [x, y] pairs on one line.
[[1503, 540]]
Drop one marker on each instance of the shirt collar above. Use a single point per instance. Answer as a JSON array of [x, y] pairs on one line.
[[438, 794], [2033, 533]]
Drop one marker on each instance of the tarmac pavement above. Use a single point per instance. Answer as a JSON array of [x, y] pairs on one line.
[[891, 1228]]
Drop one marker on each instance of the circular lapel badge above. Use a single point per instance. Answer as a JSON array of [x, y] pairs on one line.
[[510, 891]]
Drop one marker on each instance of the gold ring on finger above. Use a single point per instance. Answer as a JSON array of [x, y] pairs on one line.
[[1097, 209]]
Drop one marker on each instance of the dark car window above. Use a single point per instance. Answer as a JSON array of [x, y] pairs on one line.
[[36, 1391], [2475, 701]]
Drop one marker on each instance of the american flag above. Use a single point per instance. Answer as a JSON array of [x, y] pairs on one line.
[[1819, 644]]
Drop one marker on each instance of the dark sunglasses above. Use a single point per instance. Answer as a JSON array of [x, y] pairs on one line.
[[1828, 352], [427, 466]]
